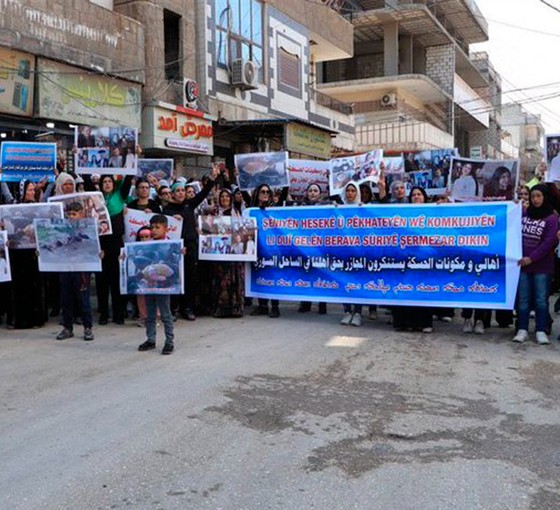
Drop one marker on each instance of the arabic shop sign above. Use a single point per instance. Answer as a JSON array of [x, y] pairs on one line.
[[82, 97], [307, 140], [165, 128]]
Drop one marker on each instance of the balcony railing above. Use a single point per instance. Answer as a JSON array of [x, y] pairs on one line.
[[402, 136], [330, 102]]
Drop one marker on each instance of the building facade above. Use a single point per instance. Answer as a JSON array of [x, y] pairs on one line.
[[60, 67], [411, 81]]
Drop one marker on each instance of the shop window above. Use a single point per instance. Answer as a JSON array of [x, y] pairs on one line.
[[172, 38], [239, 32]]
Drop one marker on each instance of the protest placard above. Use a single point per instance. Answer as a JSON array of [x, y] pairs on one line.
[[227, 238], [27, 160], [135, 219]]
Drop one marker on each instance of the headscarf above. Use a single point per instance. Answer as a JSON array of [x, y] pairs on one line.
[[61, 179], [358, 194], [238, 207], [546, 209], [231, 209]]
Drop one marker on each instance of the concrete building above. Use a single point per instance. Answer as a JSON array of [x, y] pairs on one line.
[[61, 66], [411, 82], [252, 64], [526, 133]]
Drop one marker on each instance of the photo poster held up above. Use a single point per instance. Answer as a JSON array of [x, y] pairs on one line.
[[361, 168], [155, 170], [5, 269], [17, 221], [553, 156], [429, 170], [258, 168], [227, 238], [27, 160], [93, 205], [135, 219], [152, 267], [479, 180], [68, 246], [305, 172], [106, 150]]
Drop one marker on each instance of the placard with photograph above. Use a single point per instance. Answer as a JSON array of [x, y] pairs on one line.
[[135, 219], [259, 168], [93, 205], [5, 269], [17, 221], [475, 180], [106, 150], [68, 246], [341, 171], [553, 156], [154, 170], [227, 238], [152, 267]]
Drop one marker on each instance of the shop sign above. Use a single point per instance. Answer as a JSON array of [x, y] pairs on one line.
[[17, 72], [82, 97], [163, 128], [308, 141]]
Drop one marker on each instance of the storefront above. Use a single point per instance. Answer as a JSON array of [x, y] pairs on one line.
[[184, 134], [42, 100]]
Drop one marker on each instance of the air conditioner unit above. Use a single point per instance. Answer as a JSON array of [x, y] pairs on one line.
[[389, 100], [244, 74]]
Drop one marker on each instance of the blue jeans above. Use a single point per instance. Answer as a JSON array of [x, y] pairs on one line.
[[153, 302], [533, 292]]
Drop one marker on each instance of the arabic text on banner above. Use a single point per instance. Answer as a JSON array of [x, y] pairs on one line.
[[450, 255]]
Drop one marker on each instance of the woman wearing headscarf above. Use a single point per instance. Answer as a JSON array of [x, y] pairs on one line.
[[352, 312], [184, 203], [415, 318], [26, 306], [228, 278], [539, 229]]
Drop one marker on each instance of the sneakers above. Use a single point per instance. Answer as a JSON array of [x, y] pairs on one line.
[[88, 334], [64, 334], [147, 346], [521, 336], [167, 348], [468, 326], [274, 312], [479, 328], [188, 314], [356, 320], [446, 318], [542, 338], [347, 319], [427, 330]]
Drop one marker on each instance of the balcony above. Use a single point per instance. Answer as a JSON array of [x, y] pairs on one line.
[[408, 136], [474, 111]]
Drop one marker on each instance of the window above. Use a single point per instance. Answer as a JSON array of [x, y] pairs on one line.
[[239, 32], [171, 35], [289, 69]]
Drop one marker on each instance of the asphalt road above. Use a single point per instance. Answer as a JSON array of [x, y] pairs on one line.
[[290, 413]]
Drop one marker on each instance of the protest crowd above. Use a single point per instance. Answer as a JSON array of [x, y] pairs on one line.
[[217, 287]]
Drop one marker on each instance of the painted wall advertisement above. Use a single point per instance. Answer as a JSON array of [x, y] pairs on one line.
[[90, 99], [168, 128], [17, 71]]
